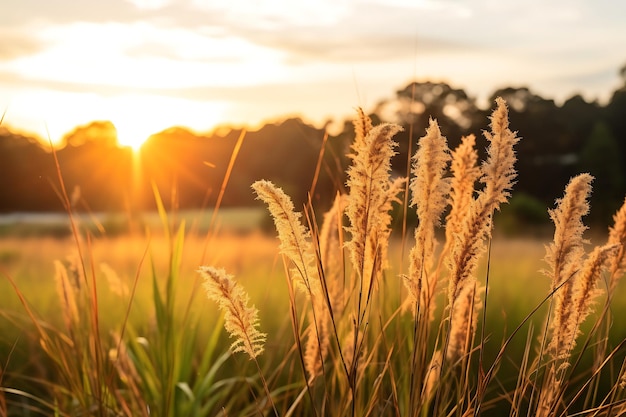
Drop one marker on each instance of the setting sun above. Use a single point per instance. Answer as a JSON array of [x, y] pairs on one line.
[[137, 117], [132, 133]]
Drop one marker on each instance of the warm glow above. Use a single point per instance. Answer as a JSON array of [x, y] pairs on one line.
[[132, 134], [148, 65], [136, 117]]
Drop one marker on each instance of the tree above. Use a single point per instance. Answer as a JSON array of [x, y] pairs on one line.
[[416, 103], [602, 159]]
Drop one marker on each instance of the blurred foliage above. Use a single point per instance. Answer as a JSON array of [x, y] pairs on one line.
[[189, 167]]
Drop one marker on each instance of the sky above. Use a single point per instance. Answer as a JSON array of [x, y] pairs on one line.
[[147, 65]]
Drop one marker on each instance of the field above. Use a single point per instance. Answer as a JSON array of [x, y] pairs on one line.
[[342, 315]]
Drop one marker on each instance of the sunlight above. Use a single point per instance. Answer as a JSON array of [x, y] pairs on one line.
[[141, 55], [137, 117], [132, 134]]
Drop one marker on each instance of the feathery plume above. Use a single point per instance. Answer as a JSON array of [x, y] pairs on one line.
[[617, 236], [318, 334], [66, 291], [576, 305], [586, 286], [564, 253], [429, 191], [498, 172], [362, 126], [432, 376], [463, 319], [240, 321], [465, 173], [396, 187], [563, 257], [317, 343], [293, 235], [330, 241], [116, 284], [369, 184], [497, 175]]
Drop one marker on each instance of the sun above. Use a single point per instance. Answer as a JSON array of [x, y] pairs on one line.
[[132, 134], [136, 118]]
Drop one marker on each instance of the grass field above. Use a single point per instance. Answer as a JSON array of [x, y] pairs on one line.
[[339, 316], [516, 288]]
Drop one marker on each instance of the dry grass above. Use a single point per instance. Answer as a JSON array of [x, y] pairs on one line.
[[471, 328], [355, 348]]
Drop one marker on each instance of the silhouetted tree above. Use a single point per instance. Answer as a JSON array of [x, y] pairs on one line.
[[93, 162], [188, 168], [413, 106], [26, 175], [602, 159], [615, 112]]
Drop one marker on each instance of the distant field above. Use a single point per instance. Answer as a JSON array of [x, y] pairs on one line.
[[516, 284], [57, 224]]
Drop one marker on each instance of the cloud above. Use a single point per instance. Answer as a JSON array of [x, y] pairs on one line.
[[150, 4], [142, 54], [272, 13], [16, 44], [274, 55]]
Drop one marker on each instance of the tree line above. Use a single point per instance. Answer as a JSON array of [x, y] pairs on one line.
[[188, 168]]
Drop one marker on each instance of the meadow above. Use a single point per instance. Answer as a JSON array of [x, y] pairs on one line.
[[341, 315]]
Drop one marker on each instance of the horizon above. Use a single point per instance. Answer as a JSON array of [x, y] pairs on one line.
[[334, 126], [148, 65]]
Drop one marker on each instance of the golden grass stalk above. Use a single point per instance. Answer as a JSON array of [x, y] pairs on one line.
[[497, 175], [240, 321], [370, 201], [564, 253], [584, 293], [574, 282], [465, 173], [293, 235], [571, 308], [563, 257], [331, 249], [362, 126], [463, 318], [617, 236], [586, 286], [318, 341], [432, 376], [430, 192], [66, 291], [370, 198], [116, 284]]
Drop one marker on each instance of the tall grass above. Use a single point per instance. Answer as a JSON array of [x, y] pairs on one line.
[[366, 338], [366, 349], [90, 366]]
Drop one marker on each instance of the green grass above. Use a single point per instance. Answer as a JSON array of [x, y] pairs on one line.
[[516, 287], [253, 259]]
